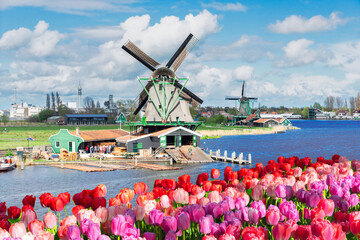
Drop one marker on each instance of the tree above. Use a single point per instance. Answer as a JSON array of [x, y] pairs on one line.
[[317, 105], [63, 110], [45, 114], [89, 104], [128, 107], [33, 118], [305, 113], [53, 100], [58, 100], [98, 105], [352, 103], [4, 119], [47, 101]]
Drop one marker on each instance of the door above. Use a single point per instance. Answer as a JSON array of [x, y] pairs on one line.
[[194, 141], [71, 146], [180, 141], [163, 141]]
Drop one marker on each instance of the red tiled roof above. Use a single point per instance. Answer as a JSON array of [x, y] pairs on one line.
[[97, 135], [264, 120]]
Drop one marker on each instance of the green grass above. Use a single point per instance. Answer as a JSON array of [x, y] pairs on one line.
[[17, 136], [210, 127]]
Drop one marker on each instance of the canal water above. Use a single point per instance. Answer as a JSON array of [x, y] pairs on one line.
[[316, 138]]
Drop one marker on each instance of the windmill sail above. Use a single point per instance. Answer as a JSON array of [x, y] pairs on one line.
[[142, 57], [181, 53]]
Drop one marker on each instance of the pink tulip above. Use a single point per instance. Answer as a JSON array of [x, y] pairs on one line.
[[227, 236], [28, 216], [50, 220], [327, 205], [102, 213], [4, 234], [192, 199], [36, 226], [44, 235], [257, 193], [214, 196], [203, 201], [165, 201], [69, 220], [139, 213], [149, 236], [283, 230], [254, 215], [273, 216], [181, 196], [322, 228], [27, 236], [17, 230], [205, 225], [85, 213]]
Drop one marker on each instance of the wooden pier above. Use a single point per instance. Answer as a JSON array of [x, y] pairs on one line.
[[83, 168], [233, 158]]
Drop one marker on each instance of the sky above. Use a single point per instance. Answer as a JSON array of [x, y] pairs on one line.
[[290, 53]]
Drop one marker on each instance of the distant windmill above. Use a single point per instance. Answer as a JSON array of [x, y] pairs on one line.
[[244, 102], [164, 95]]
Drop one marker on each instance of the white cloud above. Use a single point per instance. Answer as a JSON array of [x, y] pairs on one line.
[[299, 24], [225, 6], [74, 7], [243, 72], [298, 53], [40, 42], [346, 56]]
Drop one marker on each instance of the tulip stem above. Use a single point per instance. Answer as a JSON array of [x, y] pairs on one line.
[[65, 211], [183, 235], [59, 219]]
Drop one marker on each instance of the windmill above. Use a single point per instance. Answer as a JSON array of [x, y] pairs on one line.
[[244, 102], [164, 96]]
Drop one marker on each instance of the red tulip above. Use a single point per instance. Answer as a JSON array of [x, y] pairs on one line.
[[29, 200], [159, 191], [86, 201], [14, 212], [2, 207], [57, 204], [258, 233], [322, 228], [338, 232], [100, 191], [317, 213], [140, 188], [302, 232], [273, 216], [76, 209], [65, 197], [327, 205], [201, 178], [169, 184], [45, 199], [98, 202], [283, 230], [126, 195], [77, 198], [341, 217], [36, 226], [5, 224], [207, 185], [354, 221], [184, 179], [215, 173]]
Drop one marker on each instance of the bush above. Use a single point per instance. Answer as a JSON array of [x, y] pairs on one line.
[[9, 153]]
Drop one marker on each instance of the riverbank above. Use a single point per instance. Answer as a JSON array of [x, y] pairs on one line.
[[217, 133]]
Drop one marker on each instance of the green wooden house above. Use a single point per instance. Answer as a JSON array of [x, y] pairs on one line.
[[64, 139]]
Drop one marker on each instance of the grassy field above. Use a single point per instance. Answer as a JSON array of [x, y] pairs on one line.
[[17, 136], [210, 127]]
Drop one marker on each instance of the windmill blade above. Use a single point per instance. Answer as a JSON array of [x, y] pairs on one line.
[[253, 98], [243, 88], [189, 93], [142, 57], [181, 53], [232, 98]]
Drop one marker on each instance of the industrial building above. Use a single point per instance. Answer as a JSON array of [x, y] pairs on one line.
[[86, 119]]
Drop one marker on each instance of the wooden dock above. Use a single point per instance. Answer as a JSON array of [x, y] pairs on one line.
[[233, 158], [154, 167], [104, 165], [83, 168]]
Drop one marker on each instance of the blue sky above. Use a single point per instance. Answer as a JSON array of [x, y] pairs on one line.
[[290, 53]]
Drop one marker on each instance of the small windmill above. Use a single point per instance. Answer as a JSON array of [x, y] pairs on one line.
[[244, 102], [164, 95]]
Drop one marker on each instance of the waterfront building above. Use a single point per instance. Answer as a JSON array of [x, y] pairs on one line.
[[266, 122], [79, 140], [86, 119]]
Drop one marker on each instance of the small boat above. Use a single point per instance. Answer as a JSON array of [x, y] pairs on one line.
[[7, 164]]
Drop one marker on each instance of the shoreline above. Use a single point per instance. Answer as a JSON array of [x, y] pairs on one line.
[[209, 134]]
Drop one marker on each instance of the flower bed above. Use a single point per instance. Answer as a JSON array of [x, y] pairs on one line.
[[291, 198]]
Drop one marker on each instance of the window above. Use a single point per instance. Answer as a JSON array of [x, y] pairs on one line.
[[57, 144], [140, 145]]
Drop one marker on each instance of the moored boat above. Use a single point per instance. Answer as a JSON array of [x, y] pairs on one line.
[[7, 164]]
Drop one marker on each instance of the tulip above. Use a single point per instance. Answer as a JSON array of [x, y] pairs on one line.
[[285, 206], [338, 232], [98, 202], [240, 202], [44, 235], [215, 173], [302, 232], [313, 198], [116, 224], [258, 233], [50, 220], [28, 216], [260, 206], [272, 216], [257, 193], [169, 224], [45, 199], [283, 230], [104, 237], [205, 225], [354, 221], [17, 230], [181, 196], [322, 228], [184, 179], [242, 214], [149, 236], [4, 234], [155, 217], [171, 236], [65, 197], [139, 213], [130, 216], [84, 225], [327, 205], [196, 213], [99, 191], [102, 213], [165, 201], [354, 200], [214, 196], [35, 226], [280, 191], [73, 233], [183, 221], [29, 200], [254, 215], [14, 212], [76, 209], [93, 231], [57, 204]]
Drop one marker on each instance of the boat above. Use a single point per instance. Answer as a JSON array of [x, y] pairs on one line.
[[7, 164]]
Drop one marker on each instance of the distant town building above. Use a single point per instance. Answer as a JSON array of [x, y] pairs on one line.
[[207, 114], [24, 111], [71, 105], [86, 119], [284, 115]]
